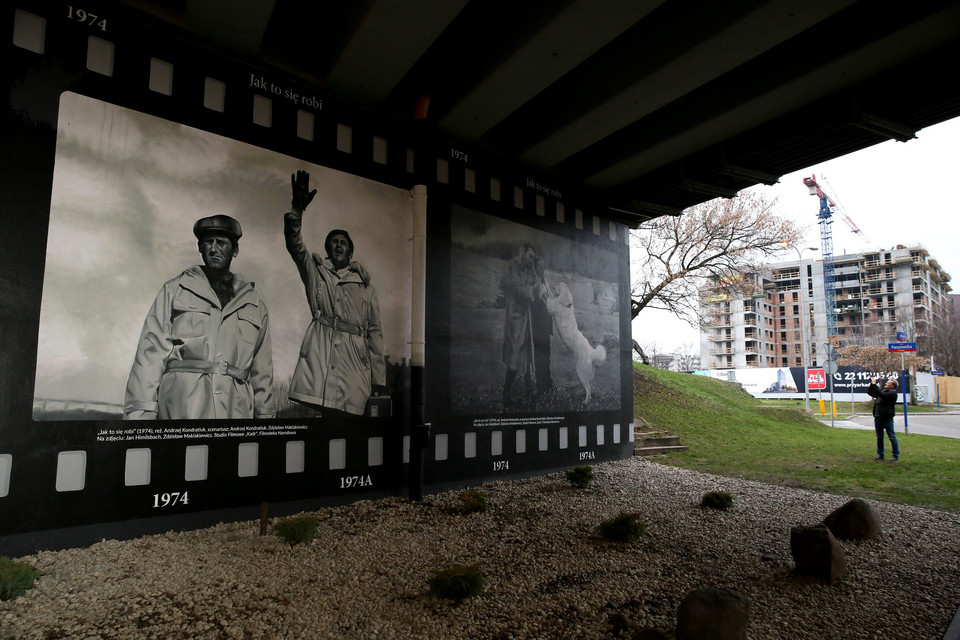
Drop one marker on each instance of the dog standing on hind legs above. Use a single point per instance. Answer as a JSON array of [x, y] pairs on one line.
[[560, 307]]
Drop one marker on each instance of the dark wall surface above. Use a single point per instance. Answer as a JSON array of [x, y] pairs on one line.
[[118, 136]]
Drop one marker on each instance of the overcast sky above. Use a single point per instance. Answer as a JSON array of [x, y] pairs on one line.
[[895, 192], [127, 190]]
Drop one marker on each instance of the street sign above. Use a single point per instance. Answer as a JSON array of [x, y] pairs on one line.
[[816, 379], [893, 347], [901, 336], [938, 372]]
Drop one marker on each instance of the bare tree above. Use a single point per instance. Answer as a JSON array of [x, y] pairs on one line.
[[688, 357], [876, 358], [714, 239], [945, 344]]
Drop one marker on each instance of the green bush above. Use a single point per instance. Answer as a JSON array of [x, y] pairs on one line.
[[473, 501], [716, 500], [622, 528], [580, 477], [456, 583], [298, 529], [16, 578]]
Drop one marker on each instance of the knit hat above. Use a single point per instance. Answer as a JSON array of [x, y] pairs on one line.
[[341, 232]]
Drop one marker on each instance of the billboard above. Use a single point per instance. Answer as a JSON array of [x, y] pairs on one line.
[[816, 379], [767, 381]]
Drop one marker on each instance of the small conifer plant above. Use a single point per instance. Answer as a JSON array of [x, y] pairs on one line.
[[16, 578], [624, 527], [716, 500], [297, 529], [580, 477], [457, 582], [473, 501]]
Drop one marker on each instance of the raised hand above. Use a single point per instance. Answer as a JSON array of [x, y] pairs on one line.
[[300, 185]]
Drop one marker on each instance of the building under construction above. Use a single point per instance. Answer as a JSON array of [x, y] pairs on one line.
[[768, 319]]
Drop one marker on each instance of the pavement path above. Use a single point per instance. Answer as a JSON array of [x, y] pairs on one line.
[[946, 424]]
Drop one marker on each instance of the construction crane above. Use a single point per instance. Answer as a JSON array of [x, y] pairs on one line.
[[825, 215], [826, 241], [816, 190]]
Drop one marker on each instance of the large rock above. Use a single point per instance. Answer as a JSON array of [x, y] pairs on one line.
[[619, 624], [712, 614], [855, 520], [817, 553]]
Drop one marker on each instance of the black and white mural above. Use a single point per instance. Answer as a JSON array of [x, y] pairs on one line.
[[535, 323], [130, 324], [208, 296]]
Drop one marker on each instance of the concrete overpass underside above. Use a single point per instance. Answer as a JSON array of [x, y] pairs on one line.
[[649, 106]]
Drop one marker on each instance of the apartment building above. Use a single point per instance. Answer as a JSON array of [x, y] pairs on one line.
[[770, 318]]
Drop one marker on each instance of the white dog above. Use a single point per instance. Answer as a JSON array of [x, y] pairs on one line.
[[560, 306]]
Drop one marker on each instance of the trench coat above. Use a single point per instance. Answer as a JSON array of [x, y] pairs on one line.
[[341, 356], [196, 360], [520, 290]]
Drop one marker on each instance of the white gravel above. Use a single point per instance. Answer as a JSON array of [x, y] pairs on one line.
[[546, 577]]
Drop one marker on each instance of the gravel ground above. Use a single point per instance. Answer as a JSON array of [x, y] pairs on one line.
[[547, 576]]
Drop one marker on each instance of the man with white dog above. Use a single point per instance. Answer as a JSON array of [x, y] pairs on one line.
[[523, 289]]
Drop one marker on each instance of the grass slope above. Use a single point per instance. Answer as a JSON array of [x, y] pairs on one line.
[[730, 433]]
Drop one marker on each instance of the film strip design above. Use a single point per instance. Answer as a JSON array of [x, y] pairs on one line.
[[85, 476], [282, 113]]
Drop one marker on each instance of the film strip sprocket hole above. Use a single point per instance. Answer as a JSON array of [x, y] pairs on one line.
[[71, 469], [29, 33]]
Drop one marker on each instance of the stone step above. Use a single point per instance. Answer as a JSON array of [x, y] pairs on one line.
[[658, 441], [652, 451]]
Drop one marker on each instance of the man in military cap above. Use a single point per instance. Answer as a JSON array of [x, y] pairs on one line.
[[205, 349], [341, 358]]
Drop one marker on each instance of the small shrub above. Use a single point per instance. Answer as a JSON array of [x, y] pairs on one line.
[[580, 477], [622, 528], [16, 578], [457, 582], [473, 502], [716, 500], [298, 529]]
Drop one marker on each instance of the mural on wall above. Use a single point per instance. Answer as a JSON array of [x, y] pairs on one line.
[[535, 324], [210, 285], [191, 276]]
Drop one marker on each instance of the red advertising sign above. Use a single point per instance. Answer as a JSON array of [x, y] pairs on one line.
[[816, 379]]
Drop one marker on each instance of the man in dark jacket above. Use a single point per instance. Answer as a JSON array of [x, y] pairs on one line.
[[884, 408]]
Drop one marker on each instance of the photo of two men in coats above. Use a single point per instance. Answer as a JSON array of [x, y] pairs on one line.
[[205, 350]]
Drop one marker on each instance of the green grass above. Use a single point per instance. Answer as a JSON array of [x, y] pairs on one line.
[[456, 583], [580, 477], [16, 578], [732, 434], [297, 529], [624, 527]]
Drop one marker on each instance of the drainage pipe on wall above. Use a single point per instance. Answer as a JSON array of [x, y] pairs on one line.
[[419, 430]]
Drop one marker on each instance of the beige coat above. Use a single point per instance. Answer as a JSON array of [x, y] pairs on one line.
[[198, 361], [337, 367]]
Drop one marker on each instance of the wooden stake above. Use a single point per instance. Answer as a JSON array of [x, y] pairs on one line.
[[264, 517]]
